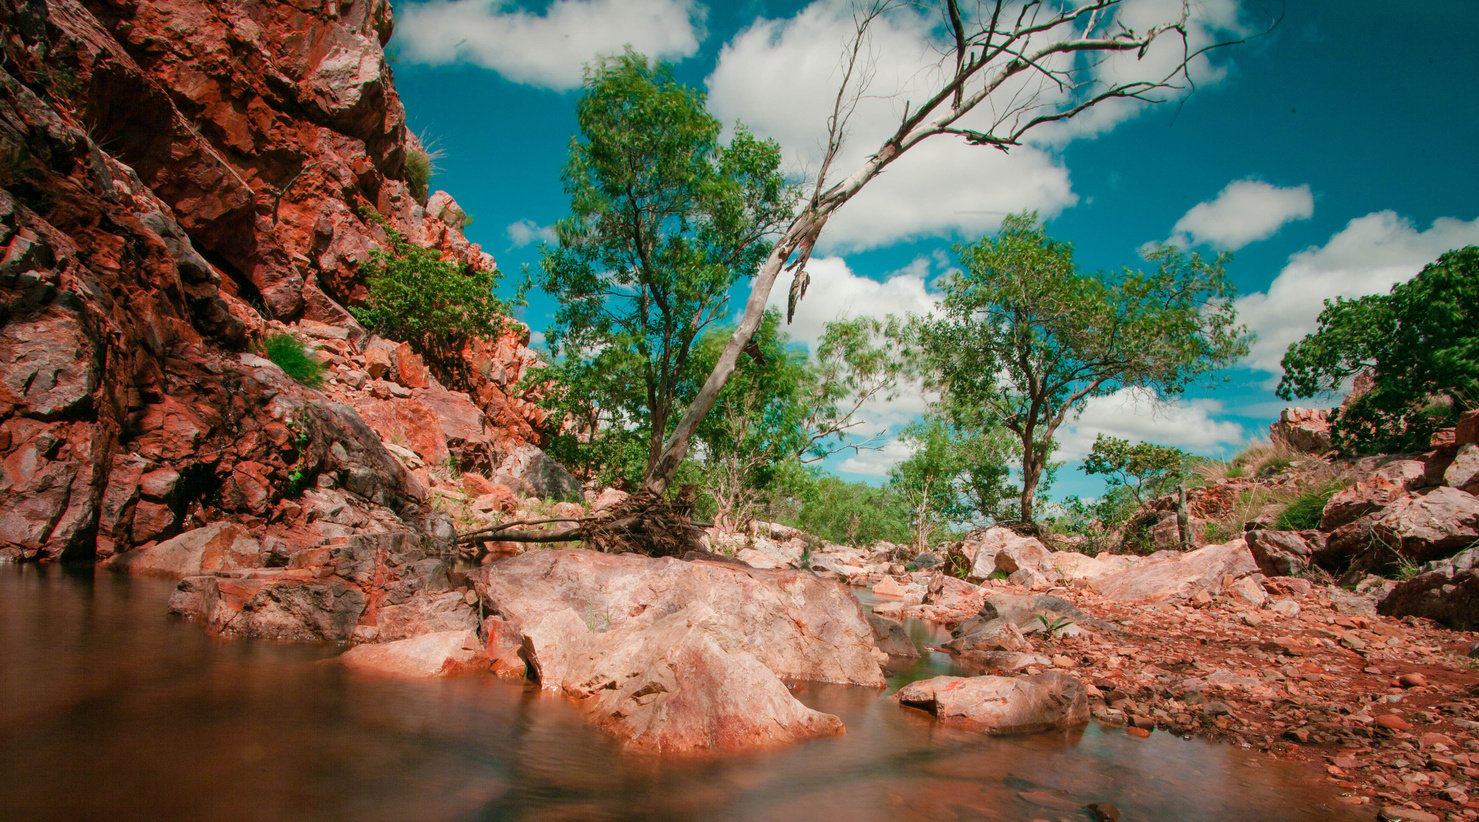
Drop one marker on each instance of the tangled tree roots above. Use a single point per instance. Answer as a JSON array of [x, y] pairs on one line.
[[643, 523]]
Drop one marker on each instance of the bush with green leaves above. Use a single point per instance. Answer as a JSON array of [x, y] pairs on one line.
[[849, 513], [1147, 470], [1420, 343], [432, 303], [1028, 339], [291, 355]]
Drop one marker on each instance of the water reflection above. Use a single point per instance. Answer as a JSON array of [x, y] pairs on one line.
[[112, 710]]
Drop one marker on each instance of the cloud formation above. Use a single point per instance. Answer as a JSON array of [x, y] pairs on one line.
[[837, 293], [1244, 211], [1369, 256], [548, 50], [527, 232], [1133, 415]]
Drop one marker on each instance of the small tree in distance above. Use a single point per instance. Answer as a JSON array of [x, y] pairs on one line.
[[1145, 469]]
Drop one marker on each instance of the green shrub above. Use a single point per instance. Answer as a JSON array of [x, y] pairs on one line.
[[293, 357], [1303, 512], [432, 303]]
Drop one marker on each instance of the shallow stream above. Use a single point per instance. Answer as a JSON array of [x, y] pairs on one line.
[[110, 709]]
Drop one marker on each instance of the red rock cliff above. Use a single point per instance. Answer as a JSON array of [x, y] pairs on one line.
[[175, 178]]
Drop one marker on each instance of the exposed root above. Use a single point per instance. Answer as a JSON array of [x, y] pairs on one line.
[[643, 523]]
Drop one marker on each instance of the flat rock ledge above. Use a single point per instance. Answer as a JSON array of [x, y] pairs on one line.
[[1000, 706], [678, 657]]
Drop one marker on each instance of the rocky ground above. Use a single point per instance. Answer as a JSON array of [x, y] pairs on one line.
[[1386, 707]]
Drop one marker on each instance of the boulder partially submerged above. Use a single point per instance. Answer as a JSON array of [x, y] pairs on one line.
[[1000, 705], [681, 657]]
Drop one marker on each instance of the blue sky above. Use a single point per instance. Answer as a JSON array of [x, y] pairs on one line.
[[1334, 155]]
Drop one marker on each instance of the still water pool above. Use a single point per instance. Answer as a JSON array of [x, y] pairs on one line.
[[110, 709]]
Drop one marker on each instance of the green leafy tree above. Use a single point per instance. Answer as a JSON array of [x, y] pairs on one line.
[[850, 513], [1144, 469], [1027, 339], [783, 405], [1029, 65], [664, 218], [1421, 344]]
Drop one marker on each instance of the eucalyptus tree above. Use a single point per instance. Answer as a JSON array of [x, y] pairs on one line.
[[1026, 339], [664, 218], [787, 407]]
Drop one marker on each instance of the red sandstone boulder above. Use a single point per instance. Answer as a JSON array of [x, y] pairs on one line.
[[531, 472], [891, 638], [680, 656], [1446, 591], [1279, 553], [221, 546], [1002, 549], [275, 603], [428, 655], [1431, 525], [1000, 705], [1463, 471], [951, 600], [1389, 483], [1306, 430], [1172, 575]]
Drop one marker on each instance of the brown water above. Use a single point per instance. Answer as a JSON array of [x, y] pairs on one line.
[[111, 710]]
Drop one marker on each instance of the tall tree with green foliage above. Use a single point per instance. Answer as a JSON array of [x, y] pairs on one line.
[[1027, 339], [664, 218], [1022, 66], [1421, 344]]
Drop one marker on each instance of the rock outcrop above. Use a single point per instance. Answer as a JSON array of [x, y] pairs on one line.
[[680, 657], [1306, 430], [178, 178]]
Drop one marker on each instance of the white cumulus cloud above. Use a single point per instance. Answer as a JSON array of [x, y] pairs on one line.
[[836, 292], [877, 463], [1131, 414], [528, 232], [1243, 212], [1369, 256], [546, 49]]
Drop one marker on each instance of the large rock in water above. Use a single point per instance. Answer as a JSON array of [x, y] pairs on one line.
[[220, 546], [1002, 705], [682, 657]]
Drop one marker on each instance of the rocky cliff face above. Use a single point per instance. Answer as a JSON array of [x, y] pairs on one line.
[[177, 177]]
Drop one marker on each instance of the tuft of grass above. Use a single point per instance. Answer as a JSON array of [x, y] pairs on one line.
[[421, 163], [1304, 510], [293, 357]]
